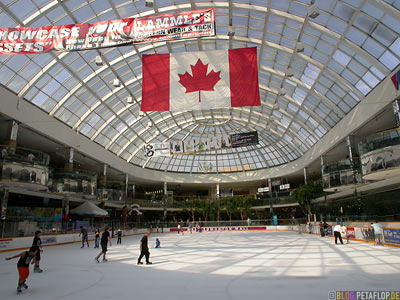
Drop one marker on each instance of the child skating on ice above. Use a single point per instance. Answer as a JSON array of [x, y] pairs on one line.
[[25, 259]]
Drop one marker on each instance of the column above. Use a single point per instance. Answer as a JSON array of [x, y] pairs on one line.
[[69, 164], [271, 210], [103, 177], [12, 133], [396, 110], [126, 187], [217, 191], [165, 200], [3, 203], [351, 149], [305, 175], [323, 162]]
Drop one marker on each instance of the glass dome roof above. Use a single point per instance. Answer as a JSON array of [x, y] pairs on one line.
[[313, 69]]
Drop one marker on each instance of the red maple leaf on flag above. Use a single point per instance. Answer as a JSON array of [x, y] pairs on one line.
[[200, 81]]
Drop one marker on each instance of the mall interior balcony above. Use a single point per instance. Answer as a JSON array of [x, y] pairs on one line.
[[380, 155]]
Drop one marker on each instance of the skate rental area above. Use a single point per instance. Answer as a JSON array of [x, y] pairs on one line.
[[214, 265], [200, 149]]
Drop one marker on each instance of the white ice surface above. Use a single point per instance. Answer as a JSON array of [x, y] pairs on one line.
[[227, 265]]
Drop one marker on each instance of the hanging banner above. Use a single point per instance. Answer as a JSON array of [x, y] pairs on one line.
[[244, 139], [27, 40], [74, 37], [186, 24], [156, 150], [195, 145]]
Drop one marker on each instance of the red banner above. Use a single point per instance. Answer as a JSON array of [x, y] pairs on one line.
[[27, 40], [186, 24]]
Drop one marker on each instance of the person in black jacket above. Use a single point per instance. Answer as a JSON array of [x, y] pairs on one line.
[[144, 249], [105, 238], [23, 266], [37, 244]]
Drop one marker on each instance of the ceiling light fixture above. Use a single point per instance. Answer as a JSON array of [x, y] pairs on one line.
[[289, 72], [116, 82], [149, 3], [313, 12], [99, 60], [300, 47], [129, 100], [231, 32]]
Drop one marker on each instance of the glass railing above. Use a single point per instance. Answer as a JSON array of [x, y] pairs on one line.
[[380, 140], [24, 156], [342, 165], [341, 173], [76, 181], [341, 178]]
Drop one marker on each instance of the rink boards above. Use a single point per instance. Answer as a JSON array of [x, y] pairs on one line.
[[391, 235]]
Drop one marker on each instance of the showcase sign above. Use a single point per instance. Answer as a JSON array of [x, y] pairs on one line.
[[74, 37]]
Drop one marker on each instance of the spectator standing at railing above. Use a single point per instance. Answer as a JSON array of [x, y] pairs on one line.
[[321, 229], [326, 228], [378, 233], [4, 153], [31, 157]]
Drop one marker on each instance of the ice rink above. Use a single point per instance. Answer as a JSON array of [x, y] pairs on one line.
[[224, 265]]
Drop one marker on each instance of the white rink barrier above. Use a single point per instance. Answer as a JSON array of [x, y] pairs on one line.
[[20, 243]]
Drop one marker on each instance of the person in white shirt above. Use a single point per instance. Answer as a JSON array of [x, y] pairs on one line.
[[345, 234], [337, 233], [378, 233]]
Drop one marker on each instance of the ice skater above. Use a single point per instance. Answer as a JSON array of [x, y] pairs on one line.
[[105, 238], [84, 236], [337, 232], [158, 243], [378, 233], [37, 244], [96, 238], [144, 249], [23, 267], [119, 234]]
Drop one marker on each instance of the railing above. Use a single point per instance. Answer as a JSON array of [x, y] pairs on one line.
[[24, 156], [187, 204], [380, 140], [341, 178], [76, 181]]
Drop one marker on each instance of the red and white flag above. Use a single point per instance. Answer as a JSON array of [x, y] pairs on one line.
[[200, 80]]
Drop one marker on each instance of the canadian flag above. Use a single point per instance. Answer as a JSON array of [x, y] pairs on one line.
[[200, 80]]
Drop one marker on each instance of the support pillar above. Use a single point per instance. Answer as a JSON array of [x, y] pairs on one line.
[[3, 203], [271, 210], [165, 201], [69, 164], [396, 110], [323, 162], [217, 194], [12, 134], [126, 188], [305, 175], [103, 177]]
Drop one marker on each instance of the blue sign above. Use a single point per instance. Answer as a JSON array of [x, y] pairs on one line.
[[391, 236], [275, 220]]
